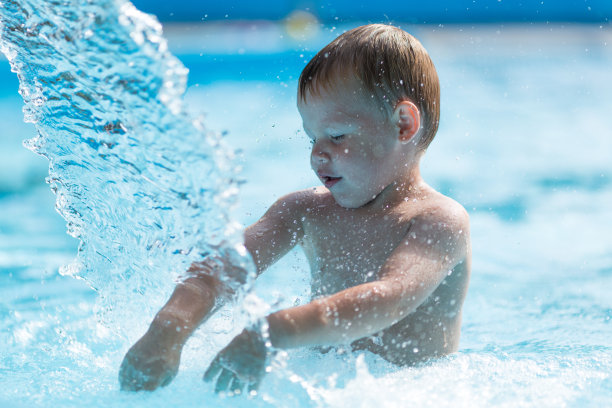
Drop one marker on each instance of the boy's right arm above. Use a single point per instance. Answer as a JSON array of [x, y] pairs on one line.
[[153, 360]]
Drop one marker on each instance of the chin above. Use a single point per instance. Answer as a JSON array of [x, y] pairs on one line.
[[349, 202]]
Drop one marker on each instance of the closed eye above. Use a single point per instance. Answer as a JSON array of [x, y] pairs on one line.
[[337, 138]]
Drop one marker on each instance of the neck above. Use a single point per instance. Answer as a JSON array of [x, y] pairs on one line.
[[406, 188]]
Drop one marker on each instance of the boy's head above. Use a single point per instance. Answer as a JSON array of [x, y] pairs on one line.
[[391, 65]]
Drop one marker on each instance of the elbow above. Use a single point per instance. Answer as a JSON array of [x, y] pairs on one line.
[[205, 286]]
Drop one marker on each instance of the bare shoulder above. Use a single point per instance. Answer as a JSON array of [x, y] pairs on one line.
[[443, 221], [440, 208], [314, 195], [289, 210], [305, 200]]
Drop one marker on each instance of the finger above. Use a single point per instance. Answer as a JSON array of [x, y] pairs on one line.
[[142, 381], [127, 379], [254, 386], [213, 369], [167, 379], [236, 386], [138, 383], [133, 380], [224, 380], [151, 384]]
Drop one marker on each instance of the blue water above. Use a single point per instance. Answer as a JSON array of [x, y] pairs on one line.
[[524, 144]]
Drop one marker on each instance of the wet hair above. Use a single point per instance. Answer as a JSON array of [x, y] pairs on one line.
[[391, 64]]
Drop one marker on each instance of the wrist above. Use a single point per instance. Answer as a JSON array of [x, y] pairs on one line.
[[169, 329], [279, 330], [260, 331]]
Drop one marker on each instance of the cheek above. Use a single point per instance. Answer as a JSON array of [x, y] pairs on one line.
[[370, 152], [378, 151]]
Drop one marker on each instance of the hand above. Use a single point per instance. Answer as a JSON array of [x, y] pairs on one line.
[[151, 363], [241, 364]]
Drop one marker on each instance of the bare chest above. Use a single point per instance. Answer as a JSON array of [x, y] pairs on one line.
[[345, 250]]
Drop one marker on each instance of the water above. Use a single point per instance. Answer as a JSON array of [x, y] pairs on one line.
[[100, 109], [524, 144]]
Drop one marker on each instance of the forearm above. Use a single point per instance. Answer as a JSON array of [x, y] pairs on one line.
[[190, 304], [340, 318], [154, 359]]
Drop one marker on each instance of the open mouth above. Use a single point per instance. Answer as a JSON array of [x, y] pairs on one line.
[[330, 181]]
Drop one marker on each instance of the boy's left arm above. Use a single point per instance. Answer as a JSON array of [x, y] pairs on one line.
[[431, 248]]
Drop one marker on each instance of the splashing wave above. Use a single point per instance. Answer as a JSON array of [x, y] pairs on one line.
[[141, 183]]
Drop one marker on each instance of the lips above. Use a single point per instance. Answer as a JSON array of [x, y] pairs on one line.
[[329, 181]]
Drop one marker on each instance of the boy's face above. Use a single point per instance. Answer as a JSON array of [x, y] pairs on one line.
[[356, 152]]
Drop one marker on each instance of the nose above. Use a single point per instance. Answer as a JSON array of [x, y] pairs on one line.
[[319, 154]]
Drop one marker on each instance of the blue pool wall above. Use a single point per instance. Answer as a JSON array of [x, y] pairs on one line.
[[417, 12]]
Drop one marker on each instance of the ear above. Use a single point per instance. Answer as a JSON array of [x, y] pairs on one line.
[[408, 119]]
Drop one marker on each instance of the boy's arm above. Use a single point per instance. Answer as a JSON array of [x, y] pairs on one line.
[[277, 231], [415, 268], [153, 360], [430, 249]]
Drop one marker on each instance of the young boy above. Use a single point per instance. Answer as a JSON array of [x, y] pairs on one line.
[[389, 256]]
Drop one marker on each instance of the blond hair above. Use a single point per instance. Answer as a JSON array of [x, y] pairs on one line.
[[392, 64]]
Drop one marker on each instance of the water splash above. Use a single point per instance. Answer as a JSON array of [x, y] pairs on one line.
[[141, 183]]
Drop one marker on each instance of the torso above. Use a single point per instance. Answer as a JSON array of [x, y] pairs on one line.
[[348, 247]]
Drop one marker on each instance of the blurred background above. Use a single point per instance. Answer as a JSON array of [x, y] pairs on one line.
[[271, 40], [410, 11], [248, 41]]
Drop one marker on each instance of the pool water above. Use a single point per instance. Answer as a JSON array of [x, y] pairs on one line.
[[524, 144]]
